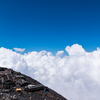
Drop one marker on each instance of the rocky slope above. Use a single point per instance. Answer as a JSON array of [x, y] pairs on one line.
[[17, 86]]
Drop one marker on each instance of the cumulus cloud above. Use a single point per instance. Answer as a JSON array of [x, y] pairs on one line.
[[75, 50], [19, 49], [60, 53], [76, 76]]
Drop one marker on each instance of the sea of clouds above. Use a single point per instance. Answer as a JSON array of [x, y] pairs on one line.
[[76, 76]]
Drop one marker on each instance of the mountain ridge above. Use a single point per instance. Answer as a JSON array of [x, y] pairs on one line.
[[17, 86]]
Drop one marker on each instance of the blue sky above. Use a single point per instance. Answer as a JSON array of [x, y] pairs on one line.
[[52, 25], [49, 25]]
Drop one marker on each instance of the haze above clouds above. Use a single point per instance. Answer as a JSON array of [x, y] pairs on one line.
[[76, 76]]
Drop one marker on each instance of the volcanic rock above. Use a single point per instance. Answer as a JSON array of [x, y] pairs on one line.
[[17, 86]]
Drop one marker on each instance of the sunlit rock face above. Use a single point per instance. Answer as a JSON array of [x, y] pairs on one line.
[[17, 86]]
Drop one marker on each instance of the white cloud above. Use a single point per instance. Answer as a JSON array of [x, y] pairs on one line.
[[76, 77], [60, 53], [19, 49], [75, 50]]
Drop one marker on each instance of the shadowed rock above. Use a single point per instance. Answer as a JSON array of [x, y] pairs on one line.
[[17, 86]]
